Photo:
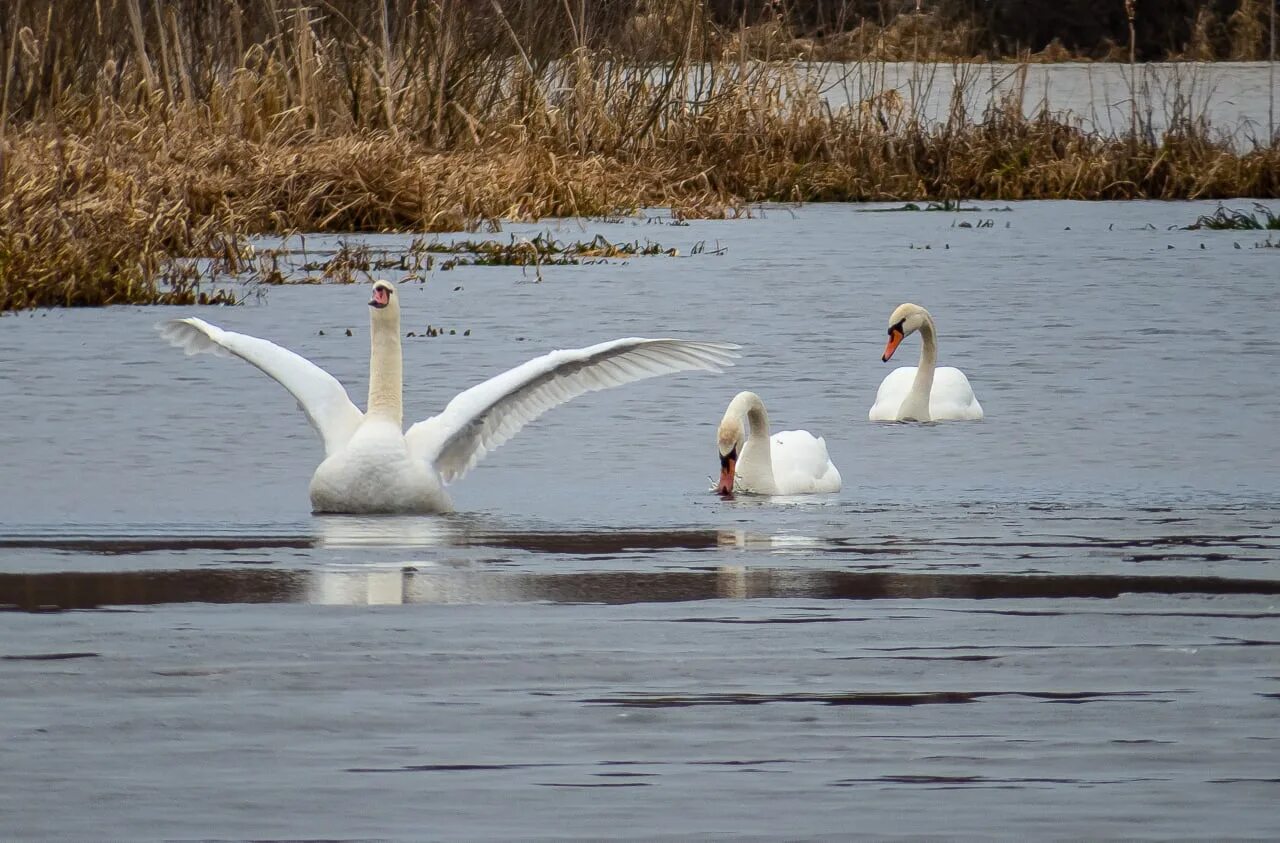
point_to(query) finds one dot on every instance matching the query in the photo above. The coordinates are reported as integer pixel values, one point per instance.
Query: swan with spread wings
(372, 465)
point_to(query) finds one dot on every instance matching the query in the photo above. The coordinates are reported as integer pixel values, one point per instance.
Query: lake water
(1239, 99)
(1059, 621)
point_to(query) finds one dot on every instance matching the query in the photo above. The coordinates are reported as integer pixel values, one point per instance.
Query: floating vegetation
(437, 331)
(358, 262)
(540, 250)
(1229, 219)
(350, 259)
(949, 205)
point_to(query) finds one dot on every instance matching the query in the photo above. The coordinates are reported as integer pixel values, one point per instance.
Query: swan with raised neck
(923, 392)
(372, 465)
(386, 358)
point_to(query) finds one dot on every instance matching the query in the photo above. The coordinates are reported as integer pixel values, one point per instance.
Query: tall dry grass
(140, 143)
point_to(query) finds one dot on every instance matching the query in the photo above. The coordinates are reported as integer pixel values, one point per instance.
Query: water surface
(1238, 99)
(1075, 598)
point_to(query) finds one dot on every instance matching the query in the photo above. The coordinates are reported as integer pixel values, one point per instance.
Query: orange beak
(895, 339)
(727, 466)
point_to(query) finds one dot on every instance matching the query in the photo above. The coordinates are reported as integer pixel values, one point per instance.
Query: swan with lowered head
(921, 393)
(791, 462)
(372, 465)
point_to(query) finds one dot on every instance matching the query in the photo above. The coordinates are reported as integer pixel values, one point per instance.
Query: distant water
(1236, 98)
(1059, 621)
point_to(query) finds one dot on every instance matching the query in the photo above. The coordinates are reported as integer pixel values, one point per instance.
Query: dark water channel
(1061, 621)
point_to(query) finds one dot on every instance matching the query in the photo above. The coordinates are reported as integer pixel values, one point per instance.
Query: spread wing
(318, 393)
(480, 419)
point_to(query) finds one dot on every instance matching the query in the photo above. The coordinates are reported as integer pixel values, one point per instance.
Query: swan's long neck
(748, 404)
(758, 421)
(916, 404)
(386, 378)
(756, 462)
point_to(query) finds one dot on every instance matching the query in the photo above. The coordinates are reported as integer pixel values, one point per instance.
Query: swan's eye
(896, 329)
(725, 459)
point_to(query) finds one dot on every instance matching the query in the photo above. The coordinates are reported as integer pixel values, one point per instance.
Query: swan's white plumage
(371, 466)
(801, 464)
(480, 419)
(950, 399)
(789, 462)
(318, 393)
(923, 392)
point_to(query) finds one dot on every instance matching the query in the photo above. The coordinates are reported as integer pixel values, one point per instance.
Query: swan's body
(372, 466)
(377, 472)
(924, 392)
(950, 398)
(752, 460)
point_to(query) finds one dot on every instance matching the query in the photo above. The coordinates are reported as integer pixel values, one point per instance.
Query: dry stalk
(340, 117)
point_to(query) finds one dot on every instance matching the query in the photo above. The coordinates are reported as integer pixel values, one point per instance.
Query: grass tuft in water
(1229, 219)
(948, 205)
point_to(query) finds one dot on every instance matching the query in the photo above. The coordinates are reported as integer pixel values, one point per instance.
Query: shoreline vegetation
(142, 143)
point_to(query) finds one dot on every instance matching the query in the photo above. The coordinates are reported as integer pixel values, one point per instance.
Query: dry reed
(132, 169)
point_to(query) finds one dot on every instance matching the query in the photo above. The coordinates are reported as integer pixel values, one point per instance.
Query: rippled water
(1075, 598)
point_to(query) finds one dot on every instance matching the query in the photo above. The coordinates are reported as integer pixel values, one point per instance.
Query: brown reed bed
(135, 161)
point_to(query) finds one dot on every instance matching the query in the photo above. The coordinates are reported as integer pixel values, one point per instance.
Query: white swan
(371, 466)
(792, 462)
(921, 393)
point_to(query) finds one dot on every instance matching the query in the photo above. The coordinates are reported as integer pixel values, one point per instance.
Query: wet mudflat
(1061, 620)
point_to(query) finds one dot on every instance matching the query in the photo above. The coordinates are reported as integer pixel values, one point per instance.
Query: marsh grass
(949, 206)
(544, 249)
(1230, 219)
(141, 144)
(75, 230)
(356, 262)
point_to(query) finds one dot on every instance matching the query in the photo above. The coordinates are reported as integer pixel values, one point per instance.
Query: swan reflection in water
(340, 531)
(441, 584)
(435, 581)
(460, 586)
(355, 531)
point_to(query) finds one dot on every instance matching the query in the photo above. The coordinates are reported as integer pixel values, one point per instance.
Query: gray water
(1239, 99)
(1058, 621)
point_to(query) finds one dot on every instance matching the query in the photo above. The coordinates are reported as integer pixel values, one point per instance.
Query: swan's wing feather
(483, 417)
(892, 392)
(801, 463)
(318, 393)
(952, 396)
